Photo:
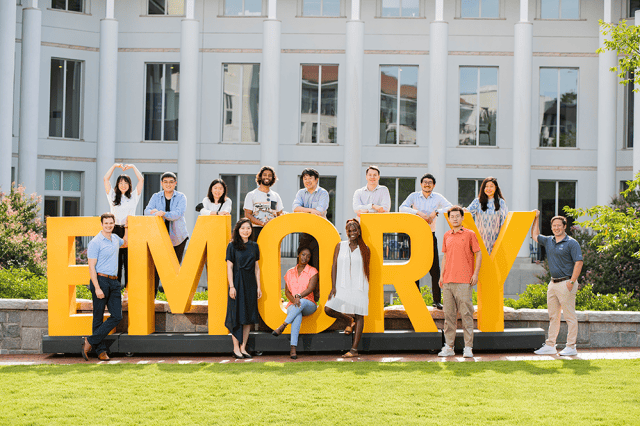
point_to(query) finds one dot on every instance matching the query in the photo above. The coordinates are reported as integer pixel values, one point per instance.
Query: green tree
(625, 41)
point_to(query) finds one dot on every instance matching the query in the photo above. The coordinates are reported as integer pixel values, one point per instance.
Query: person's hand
(125, 245)
(232, 293)
(223, 213)
(569, 285)
(466, 210)
(432, 216)
(537, 213)
(379, 209)
(423, 215)
(332, 293)
(127, 167)
(153, 211)
(259, 292)
(296, 300)
(160, 213)
(440, 283)
(474, 280)
(99, 293)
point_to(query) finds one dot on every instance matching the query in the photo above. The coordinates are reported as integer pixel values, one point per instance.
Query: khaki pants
(457, 298)
(561, 300)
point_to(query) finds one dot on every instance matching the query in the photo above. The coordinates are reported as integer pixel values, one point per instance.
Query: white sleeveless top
(352, 286)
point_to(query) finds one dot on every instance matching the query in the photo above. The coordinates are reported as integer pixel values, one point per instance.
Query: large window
(237, 188)
(166, 7)
(478, 105)
(633, 6)
(553, 196)
(162, 102)
(328, 183)
(69, 5)
(398, 114)
(320, 7)
(560, 9)
(241, 90)
(62, 193)
(558, 107)
(399, 189)
(468, 190)
(480, 8)
(630, 110)
(400, 8)
(243, 7)
(65, 110)
(319, 104)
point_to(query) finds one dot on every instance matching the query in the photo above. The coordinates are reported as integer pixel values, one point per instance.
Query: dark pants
(112, 300)
(179, 249)
(435, 273)
(123, 257)
(255, 233)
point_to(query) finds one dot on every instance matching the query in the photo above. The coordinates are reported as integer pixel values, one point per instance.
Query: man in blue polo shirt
(565, 264)
(105, 288)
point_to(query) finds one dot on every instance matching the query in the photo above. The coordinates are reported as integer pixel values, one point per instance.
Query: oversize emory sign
(150, 248)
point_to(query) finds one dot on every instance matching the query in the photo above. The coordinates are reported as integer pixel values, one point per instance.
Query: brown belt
(559, 280)
(111, 277)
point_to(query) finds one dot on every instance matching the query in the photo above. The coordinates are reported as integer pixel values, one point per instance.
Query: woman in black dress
(243, 274)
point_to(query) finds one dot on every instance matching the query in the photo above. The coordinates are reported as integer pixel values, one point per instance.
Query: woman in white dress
(123, 200)
(216, 201)
(349, 296)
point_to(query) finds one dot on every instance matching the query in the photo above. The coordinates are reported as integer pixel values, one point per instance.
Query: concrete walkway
(587, 354)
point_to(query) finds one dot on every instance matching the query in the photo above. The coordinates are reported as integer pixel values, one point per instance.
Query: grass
(361, 393)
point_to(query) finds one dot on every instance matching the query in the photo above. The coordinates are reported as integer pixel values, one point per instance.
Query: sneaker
(546, 350)
(446, 351)
(569, 351)
(468, 353)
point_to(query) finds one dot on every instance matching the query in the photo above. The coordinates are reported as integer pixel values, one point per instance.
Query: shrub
(428, 298)
(22, 244)
(200, 295)
(24, 284)
(535, 297)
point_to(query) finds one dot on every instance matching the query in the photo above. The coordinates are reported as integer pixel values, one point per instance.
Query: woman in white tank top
(349, 296)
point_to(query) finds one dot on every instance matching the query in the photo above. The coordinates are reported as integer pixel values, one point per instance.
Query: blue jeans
(294, 317)
(112, 300)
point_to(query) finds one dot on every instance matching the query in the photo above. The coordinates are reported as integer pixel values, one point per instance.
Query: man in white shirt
(372, 198)
(262, 204)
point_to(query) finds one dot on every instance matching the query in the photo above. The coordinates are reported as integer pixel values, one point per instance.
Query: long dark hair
(496, 196)
(224, 194)
(364, 250)
(118, 198)
(237, 239)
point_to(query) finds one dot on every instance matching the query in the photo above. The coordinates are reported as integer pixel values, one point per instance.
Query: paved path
(587, 354)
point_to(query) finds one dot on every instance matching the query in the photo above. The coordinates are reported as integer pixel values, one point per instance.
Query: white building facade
(463, 89)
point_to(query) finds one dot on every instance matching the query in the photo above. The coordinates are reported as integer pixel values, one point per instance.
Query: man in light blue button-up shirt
(428, 204)
(372, 198)
(170, 205)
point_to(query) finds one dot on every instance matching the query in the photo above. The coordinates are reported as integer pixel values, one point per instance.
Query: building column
(107, 90)
(188, 113)
(7, 70)
(29, 97)
(438, 61)
(270, 89)
(607, 90)
(636, 118)
(354, 64)
(522, 76)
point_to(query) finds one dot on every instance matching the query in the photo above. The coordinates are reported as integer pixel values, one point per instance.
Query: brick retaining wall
(24, 322)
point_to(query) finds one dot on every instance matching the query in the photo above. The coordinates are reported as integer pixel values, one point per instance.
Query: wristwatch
(299, 296)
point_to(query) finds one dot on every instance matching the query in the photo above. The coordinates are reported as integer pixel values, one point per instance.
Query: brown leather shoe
(86, 347)
(103, 356)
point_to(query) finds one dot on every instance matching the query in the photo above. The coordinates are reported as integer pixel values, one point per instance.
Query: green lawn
(528, 392)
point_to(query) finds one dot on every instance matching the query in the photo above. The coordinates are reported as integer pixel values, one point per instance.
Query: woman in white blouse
(216, 201)
(123, 200)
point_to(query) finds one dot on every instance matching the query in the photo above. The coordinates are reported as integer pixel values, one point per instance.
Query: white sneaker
(546, 350)
(468, 353)
(446, 351)
(569, 351)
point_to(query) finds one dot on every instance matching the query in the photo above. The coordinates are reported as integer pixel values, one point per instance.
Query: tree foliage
(625, 41)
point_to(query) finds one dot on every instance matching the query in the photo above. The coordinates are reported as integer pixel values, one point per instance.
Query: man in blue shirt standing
(565, 264)
(103, 253)
(428, 204)
(170, 205)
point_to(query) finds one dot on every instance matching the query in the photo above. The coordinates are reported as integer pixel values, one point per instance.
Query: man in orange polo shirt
(457, 279)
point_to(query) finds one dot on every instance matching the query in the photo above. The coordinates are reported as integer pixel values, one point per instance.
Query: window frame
(300, 10)
(85, 7)
(398, 103)
(238, 205)
(319, 105)
(628, 10)
(629, 96)
(477, 133)
(225, 110)
(222, 12)
(559, 18)
(421, 11)
(501, 11)
(144, 104)
(539, 123)
(61, 194)
(570, 221)
(64, 99)
(145, 8)
(478, 184)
